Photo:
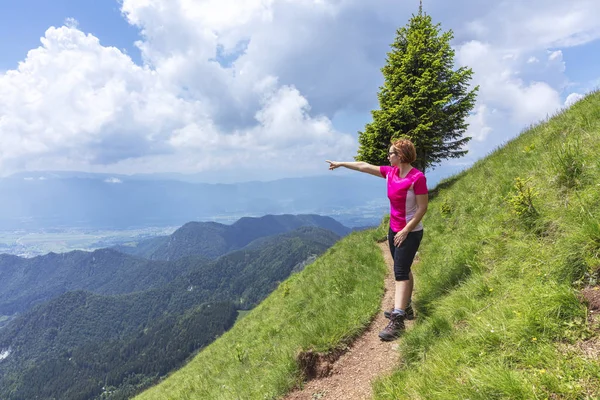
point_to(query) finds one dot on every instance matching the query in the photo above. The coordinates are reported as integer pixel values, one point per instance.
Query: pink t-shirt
(402, 192)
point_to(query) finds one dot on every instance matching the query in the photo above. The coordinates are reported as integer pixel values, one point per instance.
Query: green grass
(320, 309)
(496, 286)
(508, 244)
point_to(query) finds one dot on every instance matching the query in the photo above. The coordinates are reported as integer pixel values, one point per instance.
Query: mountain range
(213, 239)
(105, 324)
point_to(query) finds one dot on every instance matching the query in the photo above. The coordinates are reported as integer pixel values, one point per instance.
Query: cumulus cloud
(573, 98)
(478, 123)
(501, 88)
(74, 103)
(73, 98)
(256, 84)
(535, 24)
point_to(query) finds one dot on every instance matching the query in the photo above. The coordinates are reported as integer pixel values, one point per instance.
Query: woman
(408, 195)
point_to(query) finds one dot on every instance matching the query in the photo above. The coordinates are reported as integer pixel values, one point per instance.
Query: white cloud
(74, 98)
(536, 24)
(555, 55)
(254, 84)
(573, 98)
(73, 104)
(71, 23)
(113, 180)
(478, 125)
(501, 87)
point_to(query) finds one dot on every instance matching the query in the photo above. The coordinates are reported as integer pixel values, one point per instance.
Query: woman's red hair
(405, 150)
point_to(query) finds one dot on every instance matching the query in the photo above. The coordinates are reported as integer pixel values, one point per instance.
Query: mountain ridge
(144, 333)
(29, 281)
(213, 239)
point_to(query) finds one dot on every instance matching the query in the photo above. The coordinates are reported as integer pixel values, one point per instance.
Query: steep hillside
(212, 239)
(508, 246)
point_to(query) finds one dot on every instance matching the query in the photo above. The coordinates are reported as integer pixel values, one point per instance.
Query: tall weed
(567, 163)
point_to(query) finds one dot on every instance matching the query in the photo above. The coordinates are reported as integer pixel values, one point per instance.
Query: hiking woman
(408, 195)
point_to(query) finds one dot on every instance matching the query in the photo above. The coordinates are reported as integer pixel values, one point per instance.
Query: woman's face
(393, 156)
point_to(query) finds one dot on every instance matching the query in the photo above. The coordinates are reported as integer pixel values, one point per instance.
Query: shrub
(521, 201)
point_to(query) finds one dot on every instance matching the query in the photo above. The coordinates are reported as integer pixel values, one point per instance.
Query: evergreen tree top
(422, 96)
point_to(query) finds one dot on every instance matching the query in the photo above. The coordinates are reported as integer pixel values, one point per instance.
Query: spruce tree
(422, 98)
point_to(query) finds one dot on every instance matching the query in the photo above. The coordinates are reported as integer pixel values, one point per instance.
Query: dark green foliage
(123, 366)
(26, 282)
(422, 97)
(79, 342)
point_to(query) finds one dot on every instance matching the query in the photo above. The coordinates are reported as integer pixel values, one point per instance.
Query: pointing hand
(333, 164)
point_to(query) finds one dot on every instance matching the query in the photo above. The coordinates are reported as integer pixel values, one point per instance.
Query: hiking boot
(410, 313)
(394, 328)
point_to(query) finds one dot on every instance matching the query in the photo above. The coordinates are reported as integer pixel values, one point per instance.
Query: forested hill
(212, 239)
(30, 281)
(79, 343)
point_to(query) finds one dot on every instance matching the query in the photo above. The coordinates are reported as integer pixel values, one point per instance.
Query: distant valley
(53, 200)
(105, 324)
(50, 201)
(42, 212)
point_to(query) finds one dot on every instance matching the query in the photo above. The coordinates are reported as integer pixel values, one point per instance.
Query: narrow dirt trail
(367, 358)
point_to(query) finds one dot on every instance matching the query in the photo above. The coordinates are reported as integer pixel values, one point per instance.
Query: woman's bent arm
(422, 203)
(360, 166)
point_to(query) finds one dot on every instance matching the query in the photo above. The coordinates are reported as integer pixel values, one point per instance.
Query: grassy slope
(498, 291)
(319, 309)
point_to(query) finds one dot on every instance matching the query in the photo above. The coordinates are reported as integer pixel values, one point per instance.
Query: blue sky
(260, 89)
(25, 21)
(584, 64)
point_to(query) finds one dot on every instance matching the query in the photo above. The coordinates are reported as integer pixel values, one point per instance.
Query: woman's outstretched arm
(360, 166)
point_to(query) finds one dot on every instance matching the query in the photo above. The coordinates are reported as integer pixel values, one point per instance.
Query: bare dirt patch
(590, 348)
(591, 294)
(349, 375)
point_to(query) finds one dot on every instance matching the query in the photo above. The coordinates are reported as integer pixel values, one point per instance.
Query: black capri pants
(404, 254)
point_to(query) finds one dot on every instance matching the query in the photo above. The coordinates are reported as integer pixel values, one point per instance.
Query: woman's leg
(403, 293)
(403, 258)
